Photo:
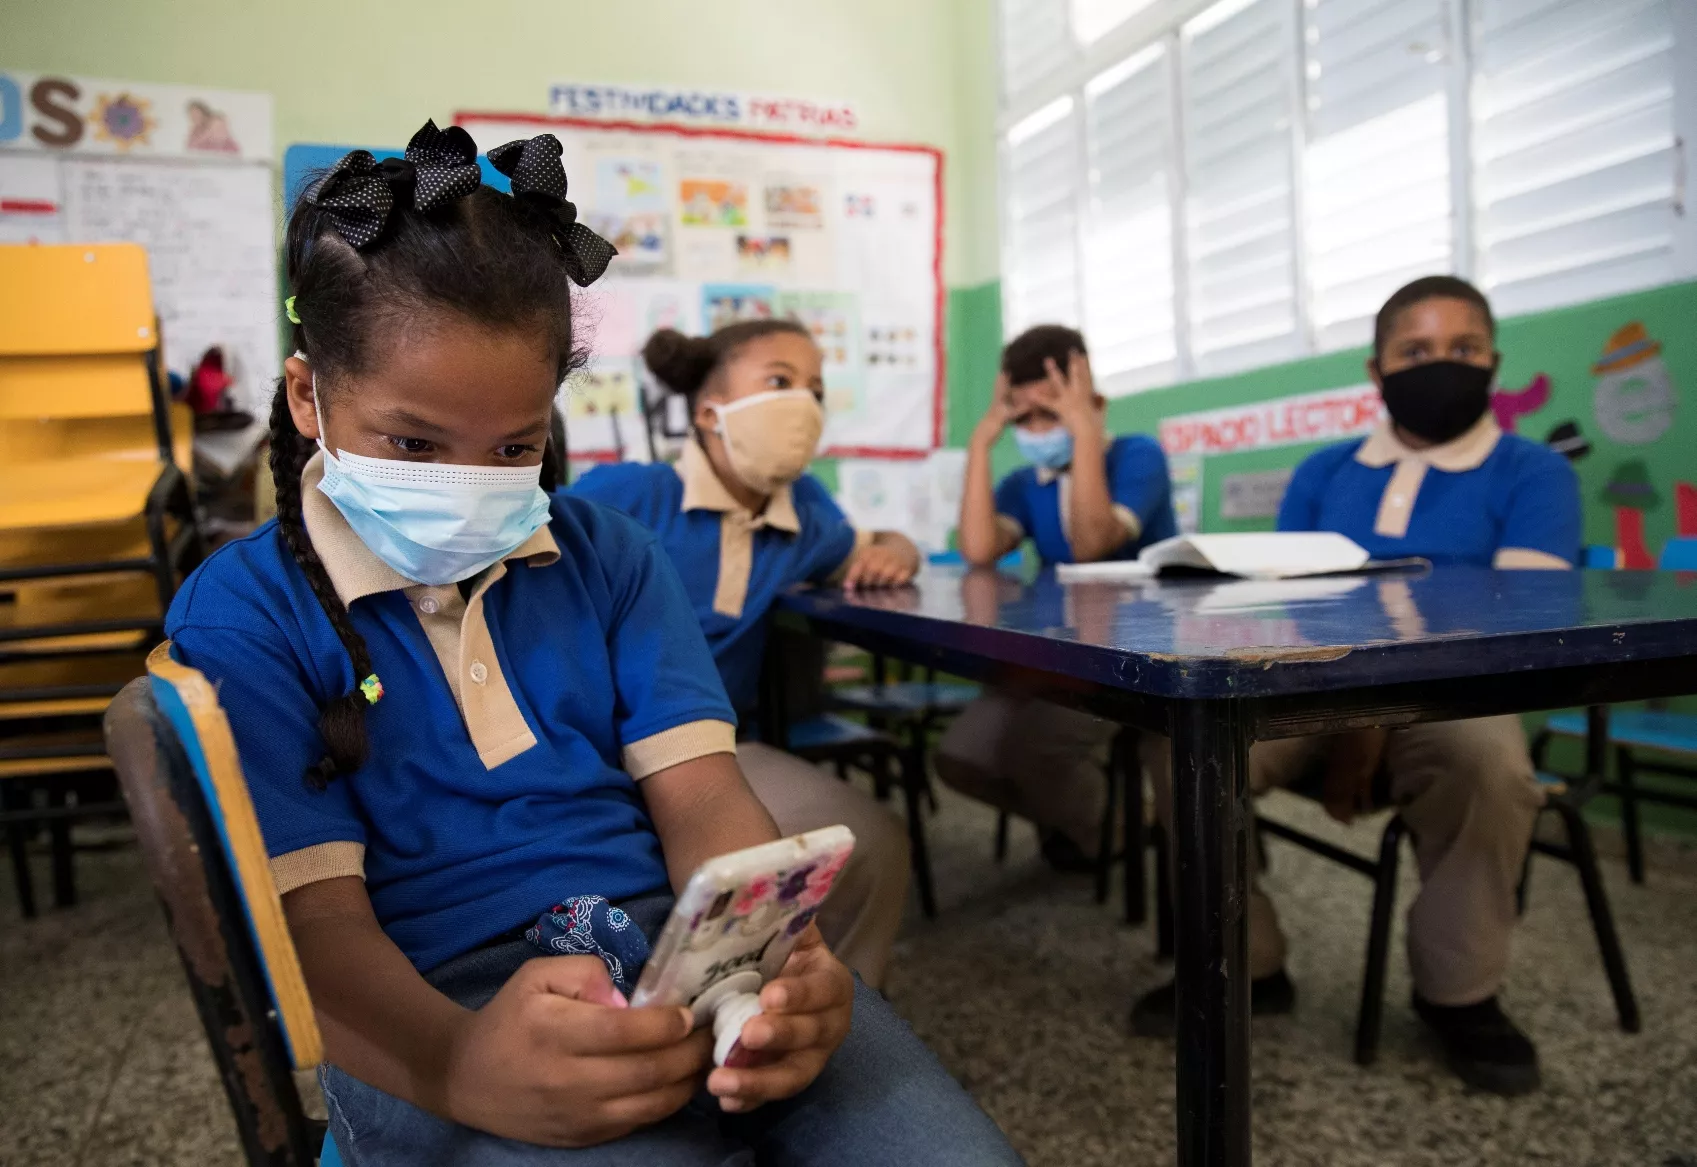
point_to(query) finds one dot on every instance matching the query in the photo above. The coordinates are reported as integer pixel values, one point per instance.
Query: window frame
(1163, 22)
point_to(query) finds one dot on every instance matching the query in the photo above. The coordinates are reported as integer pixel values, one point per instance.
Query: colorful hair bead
(372, 688)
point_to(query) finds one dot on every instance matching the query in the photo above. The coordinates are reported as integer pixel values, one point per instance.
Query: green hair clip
(372, 688)
(289, 311)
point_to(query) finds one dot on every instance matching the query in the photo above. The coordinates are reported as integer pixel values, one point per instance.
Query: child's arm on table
(704, 808)
(547, 1061)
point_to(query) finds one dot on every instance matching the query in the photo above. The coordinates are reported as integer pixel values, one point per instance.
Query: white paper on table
(1259, 554)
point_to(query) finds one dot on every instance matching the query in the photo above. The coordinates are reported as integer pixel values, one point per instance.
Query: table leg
(1211, 819)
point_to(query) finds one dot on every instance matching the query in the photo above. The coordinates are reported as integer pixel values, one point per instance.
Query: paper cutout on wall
(1184, 472)
(1566, 440)
(713, 202)
(600, 393)
(1631, 493)
(1634, 396)
(1253, 496)
(767, 255)
(1685, 508)
(723, 304)
(1512, 404)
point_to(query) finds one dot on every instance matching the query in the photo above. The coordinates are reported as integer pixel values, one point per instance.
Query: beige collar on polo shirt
(704, 492)
(453, 623)
(1384, 448)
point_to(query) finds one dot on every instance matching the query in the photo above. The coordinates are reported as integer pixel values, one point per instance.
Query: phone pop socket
(731, 1003)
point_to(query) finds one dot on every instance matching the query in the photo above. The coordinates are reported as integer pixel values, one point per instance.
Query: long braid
(342, 721)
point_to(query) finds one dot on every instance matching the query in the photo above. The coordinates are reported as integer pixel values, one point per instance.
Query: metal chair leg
(1378, 944)
(59, 836)
(1001, 836)
(1602, 919)
(1625, 770)
(1136, 846)
(17, 842)
(1105, 837)
(1163, 894)
(913, 791)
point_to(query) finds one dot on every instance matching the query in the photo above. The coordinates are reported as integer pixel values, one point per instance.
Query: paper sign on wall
(1253, 496)
(724, 108)
(1305, 417)
(83, 115)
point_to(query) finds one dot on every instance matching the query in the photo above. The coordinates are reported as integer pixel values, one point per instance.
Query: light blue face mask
(435, 524)
(1050, 450)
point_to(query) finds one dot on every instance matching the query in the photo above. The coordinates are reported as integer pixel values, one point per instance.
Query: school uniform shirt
(733, 563)
(515, 723)
(1037, 502)
(1486, 498)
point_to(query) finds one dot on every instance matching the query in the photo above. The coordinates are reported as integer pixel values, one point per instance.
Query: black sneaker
(1064, 855)
(1484, 1048)
(1152, 1015)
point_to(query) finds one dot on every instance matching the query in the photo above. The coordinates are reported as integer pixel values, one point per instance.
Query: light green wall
(360, 71)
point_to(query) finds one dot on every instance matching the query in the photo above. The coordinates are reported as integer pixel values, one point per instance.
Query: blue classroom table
(1218, 665)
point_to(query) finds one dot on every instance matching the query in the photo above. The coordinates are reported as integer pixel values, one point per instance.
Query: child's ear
(1373, 374)
(297, 383)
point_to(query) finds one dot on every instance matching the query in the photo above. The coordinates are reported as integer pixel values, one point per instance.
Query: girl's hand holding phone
(806, 1012)
(559, 1058)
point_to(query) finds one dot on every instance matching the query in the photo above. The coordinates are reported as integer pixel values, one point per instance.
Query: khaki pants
(1466, 791)
(1034, 759)
(861, 916)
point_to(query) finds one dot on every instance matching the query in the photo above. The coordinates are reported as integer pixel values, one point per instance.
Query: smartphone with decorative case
(738, 919)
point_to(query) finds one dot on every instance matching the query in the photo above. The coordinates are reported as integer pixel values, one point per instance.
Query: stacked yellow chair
(97, 520)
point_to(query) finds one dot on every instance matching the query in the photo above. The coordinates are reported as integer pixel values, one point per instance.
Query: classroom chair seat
(207, 861)
(81, 492)
(906, 698)
(1628, 731)
(1562, 797)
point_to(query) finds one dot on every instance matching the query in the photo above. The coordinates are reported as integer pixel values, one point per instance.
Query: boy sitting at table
(1084, 497)
(1441, 481)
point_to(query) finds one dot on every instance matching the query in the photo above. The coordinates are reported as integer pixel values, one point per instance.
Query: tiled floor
(1022, 988)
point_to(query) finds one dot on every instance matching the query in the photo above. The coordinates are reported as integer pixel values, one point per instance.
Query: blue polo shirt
(733, 563)
(1034, 500)
(514, 725)
(1487, 498)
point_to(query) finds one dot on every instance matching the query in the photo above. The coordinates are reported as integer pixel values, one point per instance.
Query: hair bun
(681, 363)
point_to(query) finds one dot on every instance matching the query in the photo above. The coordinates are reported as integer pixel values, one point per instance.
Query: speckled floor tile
(1022, 987)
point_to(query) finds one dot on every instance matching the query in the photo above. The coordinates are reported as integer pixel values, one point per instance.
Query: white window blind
(1574, 152)
(1128, 248)
(1236, 62)
(1041, 219)
(1092, 18)
(1377, 209)
(1035, 42)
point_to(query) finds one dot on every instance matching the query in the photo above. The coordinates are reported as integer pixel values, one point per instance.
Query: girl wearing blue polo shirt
(742, 521)
(459, 700)
(1438, 479)
(1083, 497)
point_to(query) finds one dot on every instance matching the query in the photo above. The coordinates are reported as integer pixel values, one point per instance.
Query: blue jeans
(883, 1098)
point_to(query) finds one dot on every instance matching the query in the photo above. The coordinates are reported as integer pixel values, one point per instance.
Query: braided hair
(486, 257)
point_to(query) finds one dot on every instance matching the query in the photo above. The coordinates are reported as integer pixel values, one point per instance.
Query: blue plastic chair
(177, 762)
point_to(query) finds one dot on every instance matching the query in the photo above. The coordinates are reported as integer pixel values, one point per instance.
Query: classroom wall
(370, 73)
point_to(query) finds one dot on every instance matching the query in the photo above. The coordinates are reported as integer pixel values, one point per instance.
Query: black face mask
(1440, 400)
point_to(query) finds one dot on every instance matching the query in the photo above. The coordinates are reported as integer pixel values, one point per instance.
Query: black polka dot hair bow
(534, 166)
(360, 192)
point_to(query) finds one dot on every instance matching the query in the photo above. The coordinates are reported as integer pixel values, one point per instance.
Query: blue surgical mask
(1050, 450)
(433, 523)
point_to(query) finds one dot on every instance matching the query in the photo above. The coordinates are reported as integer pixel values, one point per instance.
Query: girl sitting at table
(459, 700)
(1083, 497)
(1438, 479)
(742, 520)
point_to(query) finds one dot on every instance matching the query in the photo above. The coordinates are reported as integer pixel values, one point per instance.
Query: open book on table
(1249, 554)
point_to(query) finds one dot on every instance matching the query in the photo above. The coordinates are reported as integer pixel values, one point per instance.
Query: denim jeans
(883, 1098)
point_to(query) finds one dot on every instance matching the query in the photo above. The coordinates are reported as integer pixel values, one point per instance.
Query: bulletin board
(714, 226)
(186, 173)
